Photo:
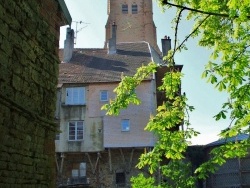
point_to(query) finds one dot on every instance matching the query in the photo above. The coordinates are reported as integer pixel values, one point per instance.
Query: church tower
(134, 20)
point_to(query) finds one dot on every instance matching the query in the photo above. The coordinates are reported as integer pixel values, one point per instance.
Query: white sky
(206, 100)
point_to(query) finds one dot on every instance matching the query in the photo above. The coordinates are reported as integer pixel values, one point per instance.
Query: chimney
(166, 45)
(68, 45)
(112, 41)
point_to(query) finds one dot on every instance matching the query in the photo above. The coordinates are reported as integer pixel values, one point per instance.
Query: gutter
(65, 11)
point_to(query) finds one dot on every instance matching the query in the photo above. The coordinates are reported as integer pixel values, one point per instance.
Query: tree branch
(176, 28)
(187, 37)
(165, 2)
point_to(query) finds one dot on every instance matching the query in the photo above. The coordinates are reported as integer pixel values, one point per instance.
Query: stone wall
(101, 168)
(29, 34)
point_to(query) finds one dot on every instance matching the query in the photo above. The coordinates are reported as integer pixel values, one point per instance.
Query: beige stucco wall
(101, 130)
(93, 134)
(138, 116)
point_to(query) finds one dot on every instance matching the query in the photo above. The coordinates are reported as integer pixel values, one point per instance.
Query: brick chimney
(68, 45)
(166, 45)
(112, 41)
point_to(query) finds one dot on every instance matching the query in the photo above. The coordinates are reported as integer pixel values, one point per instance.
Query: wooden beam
(123, 158)
(61, 167)
(110, 161)
(91, 164)
(131, 159)
(57, 165)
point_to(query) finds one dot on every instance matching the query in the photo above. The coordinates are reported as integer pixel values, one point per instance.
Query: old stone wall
(29, 34)
(102, 167)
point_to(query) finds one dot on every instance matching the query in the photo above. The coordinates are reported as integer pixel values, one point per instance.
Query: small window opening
(125, 9)
(134, 9)
(120, 178)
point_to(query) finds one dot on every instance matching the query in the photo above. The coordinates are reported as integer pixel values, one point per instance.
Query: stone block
(2, 11)
(5, 75)
(7, 90)
(17, 82)
(9, 6)
(4, 59)
(11, 166)
(4, 29)
(12, 22)
(3, 165)
(7, 47)
(5, 185)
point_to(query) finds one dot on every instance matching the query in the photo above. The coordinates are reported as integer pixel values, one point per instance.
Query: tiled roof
(96, 65)
(239, 137)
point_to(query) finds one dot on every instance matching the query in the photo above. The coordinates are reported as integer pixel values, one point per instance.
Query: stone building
(93, 148)
(29, 40)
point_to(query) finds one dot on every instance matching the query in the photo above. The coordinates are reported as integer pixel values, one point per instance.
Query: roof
(65, 11)
(96, 65)
(239, 137)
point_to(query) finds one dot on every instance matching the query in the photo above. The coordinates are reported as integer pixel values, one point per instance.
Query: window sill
(63, 104)
(75, 140)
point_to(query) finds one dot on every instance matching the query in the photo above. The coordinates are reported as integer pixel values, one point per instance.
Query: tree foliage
(223, 26)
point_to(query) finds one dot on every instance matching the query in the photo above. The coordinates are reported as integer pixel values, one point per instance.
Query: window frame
(134, 9)
(75, 96)
(124, 8)
(78, 132)
(125, 122)
(101, 99)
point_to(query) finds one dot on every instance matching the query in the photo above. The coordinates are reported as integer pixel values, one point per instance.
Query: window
(75, 96)
(75, 173)
(57, 136)
(75, 130)
(120, 178)
(125, 9)
(104, 95)
(134, 9)
(125, 125)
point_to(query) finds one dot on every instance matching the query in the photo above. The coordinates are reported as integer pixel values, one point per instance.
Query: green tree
(223, 26)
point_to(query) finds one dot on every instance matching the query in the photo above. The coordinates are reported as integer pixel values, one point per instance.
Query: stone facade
(29, 35)
(132, 27)
(103, 168)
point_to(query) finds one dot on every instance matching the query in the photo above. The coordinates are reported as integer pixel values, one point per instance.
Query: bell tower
(134, 20)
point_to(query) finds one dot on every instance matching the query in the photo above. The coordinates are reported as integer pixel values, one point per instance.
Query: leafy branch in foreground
(170, 145)
(223, 27)
(125, 92)
(224, 30)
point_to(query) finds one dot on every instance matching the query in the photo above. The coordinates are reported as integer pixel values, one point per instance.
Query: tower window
(134, 9)
(125, 9)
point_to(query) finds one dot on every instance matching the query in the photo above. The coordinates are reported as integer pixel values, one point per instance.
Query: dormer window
(134, 9)
(125, 9)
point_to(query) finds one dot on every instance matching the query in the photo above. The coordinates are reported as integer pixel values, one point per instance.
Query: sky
(202, 95)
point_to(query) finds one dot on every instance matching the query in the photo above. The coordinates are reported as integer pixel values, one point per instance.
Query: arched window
(134, 9)
(125, 9)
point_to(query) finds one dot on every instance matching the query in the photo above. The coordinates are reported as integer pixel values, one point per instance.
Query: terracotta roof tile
(96, 65)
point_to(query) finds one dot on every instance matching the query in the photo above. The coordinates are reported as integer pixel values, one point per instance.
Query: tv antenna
(80, 29)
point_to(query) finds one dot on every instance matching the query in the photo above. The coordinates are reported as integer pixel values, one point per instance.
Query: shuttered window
(75, 96)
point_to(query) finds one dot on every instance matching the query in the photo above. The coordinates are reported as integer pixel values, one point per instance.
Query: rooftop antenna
(80, 29)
